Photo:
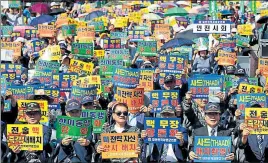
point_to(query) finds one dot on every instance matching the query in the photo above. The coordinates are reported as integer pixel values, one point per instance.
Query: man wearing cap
(212, 118)
(167, 152)
(82, 147)
(33, 115)
(88, 102)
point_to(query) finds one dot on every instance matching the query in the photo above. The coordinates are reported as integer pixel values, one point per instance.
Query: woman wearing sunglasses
(120, 116)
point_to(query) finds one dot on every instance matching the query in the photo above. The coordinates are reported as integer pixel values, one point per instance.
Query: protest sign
(21, 92)
(146, 79)
(6, 30)
(8, 67)
(162, 76)
(80, 66)
(122, 35)
(47, 65)
(27, 136)
(107, 66)
(121, 22)
(253, 81)
(15, 46)
(22, 107)
(244, 99)
(119, 145)
(263, 66)
(46, 30)
(172, 63)
(105, 85)
(30, 33)
(3, 85)
(109, 43)
(7, 106)
(147, 48)
(212, 148)
(98, 25)
(134, 98)
(100, 54)
(162, 130)
(126, 78)
(55, 94)
(98, 118)
(83, 49)
(64, 80)
(9, 76)
(212, 26)
(136, 35)
(14, 4)
(245, 29)
(122, 54)
(227, 42)
(15, 35)
(152, 23)
(256, 120)
(247, 88)
(264, 12)
(68, 30)
(89, 81)
(226, 58)
(162, 29)
(159, 98)
(135, 17)
(87, 32)
(36, 45)
(78, 93)
(242, 41)
(73, 127)
(7, 55)
(45, 76)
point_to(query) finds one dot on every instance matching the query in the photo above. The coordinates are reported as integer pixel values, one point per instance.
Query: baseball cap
(54, 4)
(168, 109)
(169, 78)
(240, 71)
(212, 108)
(230, 69)
(63, 46)
(34, 81)
(20, 39)
(33, 106)
(253, 104)
(73, 105)
(87, 99)
(234, 30)
(17, 83)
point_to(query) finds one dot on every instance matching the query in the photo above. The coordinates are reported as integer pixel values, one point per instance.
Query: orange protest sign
(263, 66)
(88, 32)
(134, 98)
(226, 58)
(46, 30)
(15, 46)
(162, 29)
(119, 145)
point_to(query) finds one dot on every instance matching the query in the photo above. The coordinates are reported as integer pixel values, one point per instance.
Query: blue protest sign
(21, 92)
(162, 130)
(126, 78)
(3, 85)
(8, 67)
(6, 30)
(47, 65)
(172, 63)
(30, 33)
(117, 54)
(244, 99)
(10, 76)
(78, 93)
(64, 80)
(36, 45)
(212, 148)
(159, 98)
(55, 94)
(45, 76)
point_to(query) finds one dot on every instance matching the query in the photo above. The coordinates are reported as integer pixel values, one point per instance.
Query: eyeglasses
(120, 113)
(33, 113)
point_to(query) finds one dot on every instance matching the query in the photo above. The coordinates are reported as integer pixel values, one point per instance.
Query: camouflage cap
(33, 106)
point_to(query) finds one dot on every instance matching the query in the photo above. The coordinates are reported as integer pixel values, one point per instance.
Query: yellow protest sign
(245, 29)
(100, 54)
(226, 58)
(121, 22)
(27, 136)
(264, 12)
(87, 8)
(135, 17)
(256, 120)
(162, 29)
(15, 46)
(22, 107)
(80, 66)
(55, 52)
(104, 19)
(247, 88)
(89, 81)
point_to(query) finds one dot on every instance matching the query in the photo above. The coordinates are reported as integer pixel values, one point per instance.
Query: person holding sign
(202, 60)
(120, 116)
(75, 151)
(33, 116)
(88, 102)
(212, 118)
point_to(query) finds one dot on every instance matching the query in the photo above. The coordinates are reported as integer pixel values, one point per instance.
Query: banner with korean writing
(146, 79)
(87, 32)
(53, 93)
(162, 29)
(159, 98)
(7, 55)
(162, 130)
(46, 30)
(119, 145)
(73, 127)
(206, 87)
(8, 67)
(36, 45)
(137, 35)
(98, 26)
(245, 29)
(82, 48)
(6, 30)
(134, 98)
(22, 107)
(15, 35)
(100, 54)
(89, 81)
(107, 66)
(9, 76)
(244, 99)
(226, 58)
(98, 118)
(45, 76)
(242, 41)
(64, 80)
(47, 65)
(54, 53)
(126, 78)
(247, 88)
(227, 42)
(121, 22)
(68, 30)
(30, 33)
(109, 43)
(147, 48)
(27, 136)
(122, 35)
(14, 4)
(78, 93)
(15, 46)
(264, 12)
(122, 54)
(256, 120)
(212, 148)
(81, 67)
(212, 26)
(21, 92)
(263, 66)
(172, 63)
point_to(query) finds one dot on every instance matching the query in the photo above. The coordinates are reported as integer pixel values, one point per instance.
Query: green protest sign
(107, 66)
(105, 82)
(73, 127)
(147, 48)
(83, 48)
(242, 41)
(98, 118)
(99, 26)
(6, 30)
(213, 9)
(14, 4)
(47, 65)
(68, 30)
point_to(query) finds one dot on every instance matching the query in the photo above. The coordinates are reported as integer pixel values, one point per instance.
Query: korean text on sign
(212, 26)
(164, 97)
(98, 118)
(257, 120)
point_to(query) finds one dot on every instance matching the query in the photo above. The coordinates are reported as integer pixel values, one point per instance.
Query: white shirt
(170, 154)
(118, 129)
(209, 131)
(132, 121)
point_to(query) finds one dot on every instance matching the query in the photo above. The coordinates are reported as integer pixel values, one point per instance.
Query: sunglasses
(88, 104)
(33, 113)
(120, 113)
(40, 97)
(74, 111)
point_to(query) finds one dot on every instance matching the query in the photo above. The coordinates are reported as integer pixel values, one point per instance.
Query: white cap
(20, 39)
(234, 30)
(183, 3)
(202, 48)
(28, 4)
(54, 4)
